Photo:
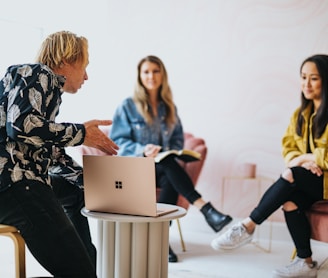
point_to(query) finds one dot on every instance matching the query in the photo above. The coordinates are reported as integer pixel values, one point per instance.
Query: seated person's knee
(288, 175)
(289, 206)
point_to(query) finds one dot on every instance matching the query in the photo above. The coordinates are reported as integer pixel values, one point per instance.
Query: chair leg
(19, 243)
(181, 237)
(293, 254)
(19, 254)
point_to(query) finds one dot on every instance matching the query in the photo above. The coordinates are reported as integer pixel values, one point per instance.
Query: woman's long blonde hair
(141, 98)
(61, 47)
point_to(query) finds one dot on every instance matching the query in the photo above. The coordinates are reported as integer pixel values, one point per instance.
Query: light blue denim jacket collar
(131, 133)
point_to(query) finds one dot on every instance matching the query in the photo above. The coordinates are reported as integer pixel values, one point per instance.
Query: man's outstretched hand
(95, 138)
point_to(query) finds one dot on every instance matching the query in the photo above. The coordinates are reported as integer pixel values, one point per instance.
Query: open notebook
(121, 184)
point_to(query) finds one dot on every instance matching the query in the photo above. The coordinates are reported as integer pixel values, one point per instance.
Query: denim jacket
(131, 133)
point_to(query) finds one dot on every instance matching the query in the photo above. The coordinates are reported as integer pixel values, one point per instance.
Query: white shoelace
(235, 231)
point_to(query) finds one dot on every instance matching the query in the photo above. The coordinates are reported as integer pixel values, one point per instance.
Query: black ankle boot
(173, 258)
(214, 218)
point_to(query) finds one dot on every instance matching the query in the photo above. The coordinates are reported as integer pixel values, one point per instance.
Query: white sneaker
(235, 237)
(298, 268)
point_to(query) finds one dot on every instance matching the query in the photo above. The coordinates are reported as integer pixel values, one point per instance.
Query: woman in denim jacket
(149, 123)
(305, 180)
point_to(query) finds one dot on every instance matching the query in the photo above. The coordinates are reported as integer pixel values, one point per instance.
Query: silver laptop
(121, 184)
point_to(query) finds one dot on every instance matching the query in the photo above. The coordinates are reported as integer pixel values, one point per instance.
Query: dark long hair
(321, 119)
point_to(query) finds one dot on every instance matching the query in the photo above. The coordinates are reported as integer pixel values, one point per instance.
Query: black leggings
(173, 180)
(306, 189)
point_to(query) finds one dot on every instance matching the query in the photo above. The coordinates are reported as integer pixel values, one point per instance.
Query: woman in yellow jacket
(305, 181)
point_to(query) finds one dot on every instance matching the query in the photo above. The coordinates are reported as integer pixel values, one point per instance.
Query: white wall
(233, 65)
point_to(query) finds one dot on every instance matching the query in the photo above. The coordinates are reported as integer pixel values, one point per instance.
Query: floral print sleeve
(30, 96)
(64, 166)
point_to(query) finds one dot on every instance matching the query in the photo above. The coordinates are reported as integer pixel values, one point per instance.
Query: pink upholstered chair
(318, 218)
(193, 168)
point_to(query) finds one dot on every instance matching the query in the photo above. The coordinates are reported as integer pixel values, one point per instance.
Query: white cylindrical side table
(133, 246)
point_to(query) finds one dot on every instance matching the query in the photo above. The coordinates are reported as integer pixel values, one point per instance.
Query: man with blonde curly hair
(41, 187)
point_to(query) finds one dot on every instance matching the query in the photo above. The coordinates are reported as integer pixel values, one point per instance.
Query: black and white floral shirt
(31, 142)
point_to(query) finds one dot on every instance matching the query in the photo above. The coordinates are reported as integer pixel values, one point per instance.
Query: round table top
(115, 217)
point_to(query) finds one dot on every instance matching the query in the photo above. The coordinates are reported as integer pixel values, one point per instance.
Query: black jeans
(72, 200)
(35, 210)
(173, 180)
(306, 189)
